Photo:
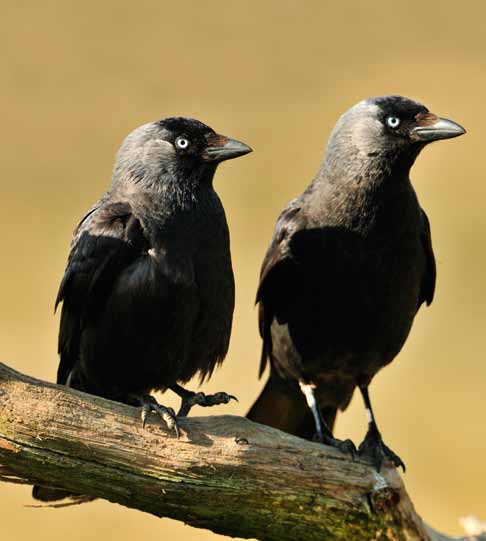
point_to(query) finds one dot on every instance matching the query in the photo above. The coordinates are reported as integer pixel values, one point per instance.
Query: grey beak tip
(442, 129)
(238, 147)
(231, 149)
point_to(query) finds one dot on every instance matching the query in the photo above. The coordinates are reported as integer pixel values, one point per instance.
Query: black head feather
(184, 127)
(399, 106)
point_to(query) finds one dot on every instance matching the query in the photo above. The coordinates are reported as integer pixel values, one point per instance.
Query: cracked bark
(225, 473)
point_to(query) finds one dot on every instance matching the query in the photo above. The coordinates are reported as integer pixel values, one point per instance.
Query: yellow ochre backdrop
(76, 77)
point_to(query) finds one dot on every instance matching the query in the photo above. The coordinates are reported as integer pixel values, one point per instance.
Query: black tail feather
(49, 494)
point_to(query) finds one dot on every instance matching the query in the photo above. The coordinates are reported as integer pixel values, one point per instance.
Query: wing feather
(274, 273)
(106, 241)
(427, 287)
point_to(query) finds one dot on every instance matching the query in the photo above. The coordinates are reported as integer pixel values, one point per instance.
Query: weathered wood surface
(225, 473)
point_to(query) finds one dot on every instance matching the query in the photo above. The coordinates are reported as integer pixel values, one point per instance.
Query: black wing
(106, 241)
(427, 287)
(276, 275)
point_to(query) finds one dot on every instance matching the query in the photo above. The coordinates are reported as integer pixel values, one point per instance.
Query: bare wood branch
(225, 473)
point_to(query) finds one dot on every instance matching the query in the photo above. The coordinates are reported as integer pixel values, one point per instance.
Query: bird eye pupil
(393, 121)
(182, 142)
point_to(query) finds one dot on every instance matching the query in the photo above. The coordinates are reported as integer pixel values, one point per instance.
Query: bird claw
(169, 417)
(345, 446)
(166, 414)
(146, 409)
(374, 449)
(204, 400)
(348, 447)
(217, 398)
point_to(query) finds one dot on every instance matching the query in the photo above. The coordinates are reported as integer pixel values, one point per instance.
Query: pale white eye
(393, 121)
(182, 143)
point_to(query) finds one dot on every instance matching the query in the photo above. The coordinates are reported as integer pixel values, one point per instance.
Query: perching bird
(349, 265)
(148, 292)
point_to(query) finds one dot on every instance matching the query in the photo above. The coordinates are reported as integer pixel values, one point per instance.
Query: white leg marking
(308, 390)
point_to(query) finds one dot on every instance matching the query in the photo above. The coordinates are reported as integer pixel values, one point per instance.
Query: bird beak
(221, 148)
(432, 128)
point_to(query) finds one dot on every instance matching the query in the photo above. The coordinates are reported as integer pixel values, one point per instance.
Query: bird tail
(282, 405)
(48, 494)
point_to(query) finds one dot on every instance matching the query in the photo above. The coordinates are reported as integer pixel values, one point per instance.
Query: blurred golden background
(76, 77)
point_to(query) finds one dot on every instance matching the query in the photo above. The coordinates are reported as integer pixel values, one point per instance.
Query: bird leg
(323, 432)
(373, 446)
(190, 399)
(148, 404)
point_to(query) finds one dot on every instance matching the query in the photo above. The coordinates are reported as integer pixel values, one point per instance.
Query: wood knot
(384, 500)
(241, 441)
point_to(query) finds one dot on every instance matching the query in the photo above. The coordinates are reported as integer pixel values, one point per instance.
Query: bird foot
(167, 415)
(204, 400)
(345, 446)
(374, 449)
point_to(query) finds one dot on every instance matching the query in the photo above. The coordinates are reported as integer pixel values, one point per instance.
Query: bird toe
(374, 450)
(169, 417)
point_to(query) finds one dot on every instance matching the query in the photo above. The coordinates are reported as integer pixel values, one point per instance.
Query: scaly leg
(323, 432)
(190, 399)
(373, 446)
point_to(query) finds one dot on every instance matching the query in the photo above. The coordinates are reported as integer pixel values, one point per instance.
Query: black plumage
(349, 265)
(148, 292)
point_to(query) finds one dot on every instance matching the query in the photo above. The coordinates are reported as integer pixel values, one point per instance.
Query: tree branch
(225, 473)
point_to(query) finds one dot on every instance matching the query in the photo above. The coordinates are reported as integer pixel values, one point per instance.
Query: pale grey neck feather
(357, 175)
(355, 147)
(144, 157)
(147, 164)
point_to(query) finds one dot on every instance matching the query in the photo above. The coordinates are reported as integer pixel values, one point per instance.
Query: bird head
(178, 150)
(391, 130)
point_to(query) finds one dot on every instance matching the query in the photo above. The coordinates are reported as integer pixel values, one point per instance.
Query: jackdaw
(349, 265)
(148, 292)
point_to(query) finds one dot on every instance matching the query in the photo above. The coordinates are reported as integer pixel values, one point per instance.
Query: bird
(148, 291)
(349, 265)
